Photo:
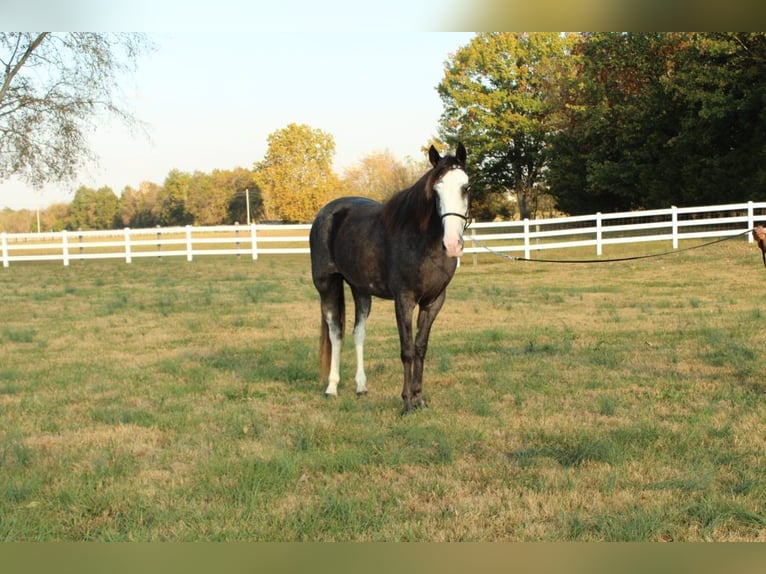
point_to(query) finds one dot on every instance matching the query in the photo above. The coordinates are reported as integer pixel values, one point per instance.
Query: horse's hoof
(361, 393)
(330, 396)
(412, 407)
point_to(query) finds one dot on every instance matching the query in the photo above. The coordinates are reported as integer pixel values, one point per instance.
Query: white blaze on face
(451, 191)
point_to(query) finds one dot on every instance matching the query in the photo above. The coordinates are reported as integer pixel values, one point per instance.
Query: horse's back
(348, 238)
(332, 216)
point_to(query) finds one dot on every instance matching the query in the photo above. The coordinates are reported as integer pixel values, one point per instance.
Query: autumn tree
(21, 221)
(55, 217)
(296, 176)
(499, 95)
(53, 88)
(380, 174)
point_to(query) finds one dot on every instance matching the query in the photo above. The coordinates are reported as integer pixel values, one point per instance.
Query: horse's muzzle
(454, 247)
(453, 233)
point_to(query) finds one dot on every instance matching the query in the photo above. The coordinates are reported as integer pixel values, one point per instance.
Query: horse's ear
(460, 154)
(433, 156)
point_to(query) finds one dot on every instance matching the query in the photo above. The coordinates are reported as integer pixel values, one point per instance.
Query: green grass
(166, 400)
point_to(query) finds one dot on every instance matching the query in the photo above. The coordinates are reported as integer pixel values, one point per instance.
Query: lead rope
(761, 238)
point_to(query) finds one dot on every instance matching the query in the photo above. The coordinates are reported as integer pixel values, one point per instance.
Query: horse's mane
(412, 204)
(416, 204)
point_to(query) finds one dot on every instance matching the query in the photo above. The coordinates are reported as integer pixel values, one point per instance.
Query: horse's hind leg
(362, 304)
(333, 314)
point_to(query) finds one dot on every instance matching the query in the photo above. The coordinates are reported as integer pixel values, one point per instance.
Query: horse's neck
(411, 206)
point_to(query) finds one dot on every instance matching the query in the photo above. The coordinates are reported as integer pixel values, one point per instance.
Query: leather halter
(463, 216)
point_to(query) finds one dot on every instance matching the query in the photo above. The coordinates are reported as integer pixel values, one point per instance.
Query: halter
(462, 216)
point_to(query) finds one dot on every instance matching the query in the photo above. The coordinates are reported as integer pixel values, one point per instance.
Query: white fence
(599, 230)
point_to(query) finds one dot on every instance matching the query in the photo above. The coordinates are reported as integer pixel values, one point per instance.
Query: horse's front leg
(426, 316)
(404, 310)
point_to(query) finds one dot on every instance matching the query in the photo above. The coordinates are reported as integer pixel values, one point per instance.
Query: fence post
(4, 241)
(526, 238)
(189, 254)
(65, 247)
(674, 214)
(253, 241)
(473, 244)
(599, 235)
(750, 221)
(128, 258)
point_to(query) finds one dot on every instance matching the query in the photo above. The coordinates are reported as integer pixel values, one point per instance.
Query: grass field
(166, 400)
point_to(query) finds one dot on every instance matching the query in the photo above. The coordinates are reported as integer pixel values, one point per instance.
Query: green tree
(500, 96)
(295, 176)
(52, 89)
(240, 184)
(719, 150)
(173, 199)
(140, 208)
(656, 119)
(206, 203)
(93, 209)
(618, 120)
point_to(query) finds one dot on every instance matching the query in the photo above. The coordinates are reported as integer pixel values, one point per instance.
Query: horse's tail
(325, 346)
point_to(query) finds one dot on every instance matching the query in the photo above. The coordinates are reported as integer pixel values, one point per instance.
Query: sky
(210, 99)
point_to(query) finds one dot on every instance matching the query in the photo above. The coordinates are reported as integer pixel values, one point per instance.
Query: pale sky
(210, 100)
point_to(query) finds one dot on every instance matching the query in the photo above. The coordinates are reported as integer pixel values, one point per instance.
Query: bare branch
(11, 72)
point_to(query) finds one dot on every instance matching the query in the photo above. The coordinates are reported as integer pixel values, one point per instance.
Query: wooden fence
(597, 231)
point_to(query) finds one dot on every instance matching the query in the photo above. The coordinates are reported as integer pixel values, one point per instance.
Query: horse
(405, 249)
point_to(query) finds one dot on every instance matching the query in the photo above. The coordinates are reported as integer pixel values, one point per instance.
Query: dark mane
(412, 204)
(416, 203)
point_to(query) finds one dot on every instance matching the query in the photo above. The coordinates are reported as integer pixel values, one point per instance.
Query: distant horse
(404, 249)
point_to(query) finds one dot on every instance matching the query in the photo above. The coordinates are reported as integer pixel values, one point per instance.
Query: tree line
(578, 122)
(610, 121)
(291, 183)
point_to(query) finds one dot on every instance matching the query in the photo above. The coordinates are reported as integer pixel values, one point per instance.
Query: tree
(380, 174)
(173, 199)
(53, 88)
(618, 122)
(240, 185)
(500, 99)
(719, 150)
(296, 176)
(140, 207)
(658, 119)
(93, 209)
(55, 217)
(206, 202)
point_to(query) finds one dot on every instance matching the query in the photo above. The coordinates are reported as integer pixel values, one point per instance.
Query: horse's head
(450, 182)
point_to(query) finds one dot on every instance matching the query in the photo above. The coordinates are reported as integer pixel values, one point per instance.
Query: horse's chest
(426, 279)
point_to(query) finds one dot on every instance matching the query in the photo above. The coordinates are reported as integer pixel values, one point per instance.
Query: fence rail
(599, 230)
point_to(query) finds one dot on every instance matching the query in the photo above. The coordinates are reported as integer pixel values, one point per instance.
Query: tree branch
(11, 72)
